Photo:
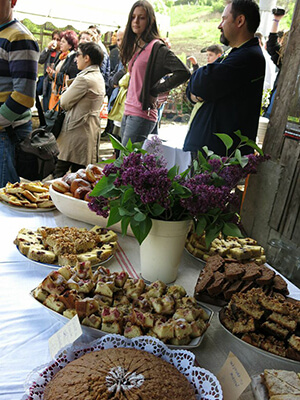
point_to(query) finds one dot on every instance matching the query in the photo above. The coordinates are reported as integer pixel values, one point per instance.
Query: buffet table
(26, 326)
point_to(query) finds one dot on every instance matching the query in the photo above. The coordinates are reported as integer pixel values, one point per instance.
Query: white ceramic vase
(161, 251)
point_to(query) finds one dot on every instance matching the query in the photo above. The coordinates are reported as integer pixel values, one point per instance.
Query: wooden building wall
(272, 203)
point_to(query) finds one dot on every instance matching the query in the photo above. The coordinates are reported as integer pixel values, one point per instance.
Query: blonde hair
(88, 32)
(284, 40)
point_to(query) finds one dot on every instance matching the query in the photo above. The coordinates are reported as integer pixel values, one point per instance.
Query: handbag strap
(55, 105)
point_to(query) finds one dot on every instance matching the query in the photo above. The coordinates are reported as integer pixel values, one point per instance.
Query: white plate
(257, 349)
(26, 209)
(96, 333)
(56, 266)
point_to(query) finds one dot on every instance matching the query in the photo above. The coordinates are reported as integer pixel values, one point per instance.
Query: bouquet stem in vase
(161, 251)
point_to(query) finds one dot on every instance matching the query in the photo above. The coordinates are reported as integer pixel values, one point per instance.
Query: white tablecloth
(172, 137)
(26, 326)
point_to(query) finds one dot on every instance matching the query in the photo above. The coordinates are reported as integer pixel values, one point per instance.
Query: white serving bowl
(79, 210)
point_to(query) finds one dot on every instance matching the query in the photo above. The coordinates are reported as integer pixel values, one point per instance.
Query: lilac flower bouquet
(137, 187)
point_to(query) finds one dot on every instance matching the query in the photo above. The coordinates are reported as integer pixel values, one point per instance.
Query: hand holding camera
(278, 12)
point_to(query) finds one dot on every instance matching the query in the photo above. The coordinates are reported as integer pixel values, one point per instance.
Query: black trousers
(62, 167)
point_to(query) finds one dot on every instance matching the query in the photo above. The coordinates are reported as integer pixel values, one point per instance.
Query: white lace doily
(206, 385)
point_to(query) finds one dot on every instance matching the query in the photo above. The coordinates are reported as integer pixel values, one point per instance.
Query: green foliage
(218, 6)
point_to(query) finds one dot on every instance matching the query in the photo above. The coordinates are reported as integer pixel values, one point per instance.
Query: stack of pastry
(222, 277)
(269, 322)
(31, 195)
(115, 303)
(239, 249)
(79, 184)
(67, 245)
(281, 384)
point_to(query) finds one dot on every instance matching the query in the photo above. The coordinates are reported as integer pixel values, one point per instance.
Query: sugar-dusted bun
(69, 178)
(81, 173)
(60, 186)
(81, 191)
(93, 173)
(78, 182)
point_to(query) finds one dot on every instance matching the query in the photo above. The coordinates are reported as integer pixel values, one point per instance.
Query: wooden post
(272, 204)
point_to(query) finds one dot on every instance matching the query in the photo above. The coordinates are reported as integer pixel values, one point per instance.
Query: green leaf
(226, 139)
(201, 225)
(181, 190)
(243, 161)
(139, 217)
(109, 161)
(114, 216)
(242, 138)
(202, 159)
(124, 224)
(116, 144)
(104, 186)
(185, 173)
(230, 229)
(207, 151)
(138, 147)
(127, 195)
(211, 234)
(141, 229)
(252, 144)
(129, 146)
(157, 209)
(125, 212)
(173, 172)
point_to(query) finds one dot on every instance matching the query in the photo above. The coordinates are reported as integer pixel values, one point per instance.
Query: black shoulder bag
(55, 119)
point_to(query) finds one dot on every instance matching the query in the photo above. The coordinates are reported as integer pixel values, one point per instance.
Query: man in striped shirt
(19, 54)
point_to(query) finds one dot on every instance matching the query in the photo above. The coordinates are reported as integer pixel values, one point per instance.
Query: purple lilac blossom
(110, 169)
(153, 146)
(99, 205)
(205, 198)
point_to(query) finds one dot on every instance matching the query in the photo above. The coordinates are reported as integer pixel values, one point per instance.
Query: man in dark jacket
(229, 91)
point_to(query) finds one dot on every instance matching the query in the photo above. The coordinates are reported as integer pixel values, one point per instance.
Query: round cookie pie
(119, 374)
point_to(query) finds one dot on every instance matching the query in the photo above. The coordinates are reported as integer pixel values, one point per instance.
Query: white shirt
(270, 73)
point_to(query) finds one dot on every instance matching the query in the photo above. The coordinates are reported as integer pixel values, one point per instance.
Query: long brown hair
(129, 41)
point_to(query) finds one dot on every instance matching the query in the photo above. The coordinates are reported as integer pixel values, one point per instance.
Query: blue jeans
(135, 128)
(270, 106)
(8, 171)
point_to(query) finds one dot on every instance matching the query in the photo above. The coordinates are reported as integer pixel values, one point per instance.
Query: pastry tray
(96, 333)
(257, 349)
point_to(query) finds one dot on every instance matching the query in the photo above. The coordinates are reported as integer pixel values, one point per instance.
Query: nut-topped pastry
(67, 245)
(264, 321)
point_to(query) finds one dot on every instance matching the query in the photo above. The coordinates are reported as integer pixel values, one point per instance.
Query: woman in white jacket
(82, 101)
